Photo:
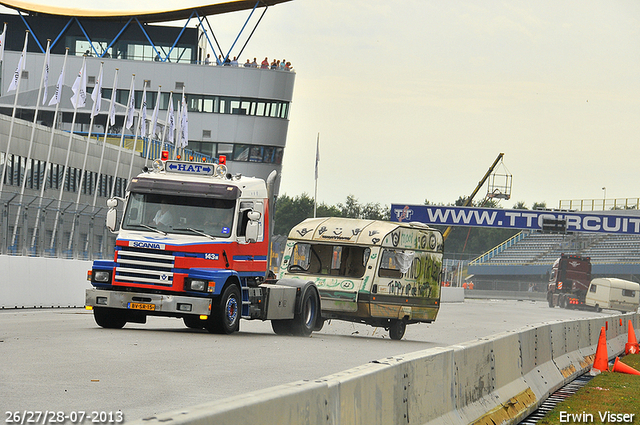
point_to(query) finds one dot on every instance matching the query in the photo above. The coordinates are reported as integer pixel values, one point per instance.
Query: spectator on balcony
(254, 64)
(265, 64)
(234, 62)
(247, 64)
(207, 60)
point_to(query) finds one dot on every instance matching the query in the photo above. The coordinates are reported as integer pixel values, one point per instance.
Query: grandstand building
(56, 179)
(527, 257)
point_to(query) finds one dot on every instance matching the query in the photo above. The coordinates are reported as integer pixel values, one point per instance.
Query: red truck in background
(569, 281)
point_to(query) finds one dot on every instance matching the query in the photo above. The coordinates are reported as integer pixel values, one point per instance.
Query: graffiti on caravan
(616, 222)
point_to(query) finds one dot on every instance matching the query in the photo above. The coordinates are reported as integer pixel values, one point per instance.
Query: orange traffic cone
(631, 347)
(620, 367)
(601, 361)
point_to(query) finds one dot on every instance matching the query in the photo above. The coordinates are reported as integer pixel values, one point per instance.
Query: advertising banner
(620, 222)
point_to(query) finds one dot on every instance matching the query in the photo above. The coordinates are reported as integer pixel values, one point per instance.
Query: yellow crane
(503, 191)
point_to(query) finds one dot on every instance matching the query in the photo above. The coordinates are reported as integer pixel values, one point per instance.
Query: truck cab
(569, 281)
(375, 272)
(193, 243)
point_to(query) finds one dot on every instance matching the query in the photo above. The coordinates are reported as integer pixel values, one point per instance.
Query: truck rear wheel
(397, 329)
(563, 301)
(110, 318)
(225, 319)
(304, 322)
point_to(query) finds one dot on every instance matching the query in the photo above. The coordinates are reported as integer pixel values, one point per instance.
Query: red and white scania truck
(569, 281)
(193, 243)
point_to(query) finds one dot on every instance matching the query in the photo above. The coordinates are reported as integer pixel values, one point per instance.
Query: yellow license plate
(141, 306)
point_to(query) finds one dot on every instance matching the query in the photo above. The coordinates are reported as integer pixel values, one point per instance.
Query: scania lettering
(379, 273)
(193, 243)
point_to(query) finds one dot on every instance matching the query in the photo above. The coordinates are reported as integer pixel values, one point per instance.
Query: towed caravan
(614, 294)
(379, 273)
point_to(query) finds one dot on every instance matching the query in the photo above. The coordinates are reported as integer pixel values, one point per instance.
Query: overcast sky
(415, 99)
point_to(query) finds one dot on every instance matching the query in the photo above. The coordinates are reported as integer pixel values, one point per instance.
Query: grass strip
(610, 397)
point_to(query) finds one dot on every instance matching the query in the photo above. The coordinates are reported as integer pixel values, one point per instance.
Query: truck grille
(148, 266)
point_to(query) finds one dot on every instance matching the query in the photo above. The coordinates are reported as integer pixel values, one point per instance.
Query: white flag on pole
(132, 105)
(143, 112)
(153, 130)
(20, 68)
(2, 37)
(112, 107)
(184, 124)
(79, 88)
(47, 67)
(96, 96)
(56, 97)
(171, 122)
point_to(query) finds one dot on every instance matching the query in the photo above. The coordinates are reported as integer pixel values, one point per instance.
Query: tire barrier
(500, 379)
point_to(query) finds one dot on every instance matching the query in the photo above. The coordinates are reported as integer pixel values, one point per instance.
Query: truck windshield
(179, 214)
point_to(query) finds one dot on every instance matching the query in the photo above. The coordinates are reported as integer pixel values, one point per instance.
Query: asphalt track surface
(60, 360)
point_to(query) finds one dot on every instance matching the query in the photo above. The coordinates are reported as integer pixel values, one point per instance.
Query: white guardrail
(496, 380)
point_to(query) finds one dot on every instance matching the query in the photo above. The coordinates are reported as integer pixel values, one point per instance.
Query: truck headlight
(101, 276)
(196, 285)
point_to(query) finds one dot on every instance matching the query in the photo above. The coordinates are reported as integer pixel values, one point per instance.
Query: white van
(613, 294)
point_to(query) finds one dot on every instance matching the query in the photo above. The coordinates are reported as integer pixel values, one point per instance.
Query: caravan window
(628, 293)
(593, 288)
(395, 263)
(334, 260)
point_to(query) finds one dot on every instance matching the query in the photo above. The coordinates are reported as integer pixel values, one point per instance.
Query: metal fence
(46, 227)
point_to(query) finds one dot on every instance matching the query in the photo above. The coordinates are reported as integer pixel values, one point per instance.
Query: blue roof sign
(190, 168)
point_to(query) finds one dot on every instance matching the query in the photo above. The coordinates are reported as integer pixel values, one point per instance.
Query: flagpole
(184, 123)
(45, 70)
(110, 119)
(166, 121)
(315, 196)
(142, 123)
(152, 127)
(18, 76)
(76, 98)
(124, 125)
(94, 111)
(47, 166)
(177, 142)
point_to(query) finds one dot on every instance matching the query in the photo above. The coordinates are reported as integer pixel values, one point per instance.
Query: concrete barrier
(29, 282)
(500, 379)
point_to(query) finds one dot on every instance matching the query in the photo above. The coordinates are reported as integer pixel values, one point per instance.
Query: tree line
(462, 242)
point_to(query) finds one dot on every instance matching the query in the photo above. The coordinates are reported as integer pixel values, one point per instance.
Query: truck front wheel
(110, 318)
(225, 319)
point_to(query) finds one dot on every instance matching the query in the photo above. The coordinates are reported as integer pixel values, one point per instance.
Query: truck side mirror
(112, 214)
(253, 226)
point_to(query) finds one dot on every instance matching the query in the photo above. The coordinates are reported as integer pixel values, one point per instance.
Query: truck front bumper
(148, 303)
